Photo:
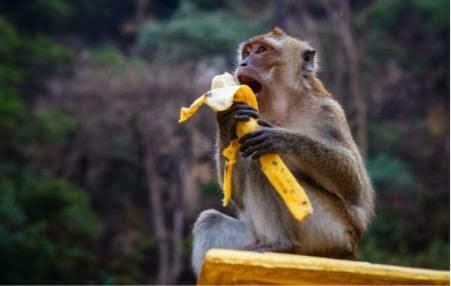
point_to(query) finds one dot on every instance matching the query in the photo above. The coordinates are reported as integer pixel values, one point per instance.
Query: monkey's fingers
(247, 113)
(242, 105)
(239, 106)
(264, 123)
(222, 116)
(250, 141)
(236, 108)
(241, 118)
(257, 149)
(250, 135)
(267, 150)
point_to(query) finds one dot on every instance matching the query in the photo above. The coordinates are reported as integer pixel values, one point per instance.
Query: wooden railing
(233, 267)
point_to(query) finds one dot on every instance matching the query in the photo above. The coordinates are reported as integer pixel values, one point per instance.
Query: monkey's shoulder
(320, 119)
(327, 107)
(330, 121)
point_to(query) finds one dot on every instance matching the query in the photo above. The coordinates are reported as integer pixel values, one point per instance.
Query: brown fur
(314, 140)
(337, 182)
(276, 32)
(318, 87)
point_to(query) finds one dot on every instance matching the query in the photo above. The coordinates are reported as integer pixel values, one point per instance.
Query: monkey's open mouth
(254, 84)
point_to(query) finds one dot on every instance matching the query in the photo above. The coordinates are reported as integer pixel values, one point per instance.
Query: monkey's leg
(216, 230)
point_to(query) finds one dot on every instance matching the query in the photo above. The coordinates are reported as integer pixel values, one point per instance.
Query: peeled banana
(224, 92)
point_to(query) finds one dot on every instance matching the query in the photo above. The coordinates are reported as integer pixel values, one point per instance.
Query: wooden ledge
(234, 267)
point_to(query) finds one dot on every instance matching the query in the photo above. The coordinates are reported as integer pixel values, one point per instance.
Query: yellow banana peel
(224, 92)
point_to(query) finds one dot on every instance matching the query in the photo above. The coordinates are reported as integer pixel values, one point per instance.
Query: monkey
(307, 127)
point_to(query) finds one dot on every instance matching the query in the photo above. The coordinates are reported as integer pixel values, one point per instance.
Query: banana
(224, 92)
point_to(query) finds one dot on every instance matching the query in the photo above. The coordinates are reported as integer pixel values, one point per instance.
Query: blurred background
(98, 182)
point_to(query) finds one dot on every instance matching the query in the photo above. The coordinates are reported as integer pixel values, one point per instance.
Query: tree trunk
(140, 18)
(177, 192)
(359, 105)
(338, 13)
(338, 76)
(157, 215)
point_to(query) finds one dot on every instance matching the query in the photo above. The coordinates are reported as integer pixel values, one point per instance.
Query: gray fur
(216, 230)
(310, 132)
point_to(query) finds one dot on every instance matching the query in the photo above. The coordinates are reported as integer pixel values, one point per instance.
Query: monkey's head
(275, 60)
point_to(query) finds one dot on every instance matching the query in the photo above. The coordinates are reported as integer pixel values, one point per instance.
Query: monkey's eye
(261, 49)
(245, 54)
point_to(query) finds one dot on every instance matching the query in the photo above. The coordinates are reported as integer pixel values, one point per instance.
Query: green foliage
(434, 256)
(47, 229)
(387, 14)
(11, 107)
(9, 40)
(390, 173)
(45, 127)
(10, 78)
(52, 124)
(132, 267)
(10, 75)
(208, 5)
(18, 52)
(397, 250)
(21, 59)
(397, 24)
(388, 137)
(11, 111)
(120, 183)
(40, 50)
(211, 188)
(106, 55)
(191, 34)
(56, 13)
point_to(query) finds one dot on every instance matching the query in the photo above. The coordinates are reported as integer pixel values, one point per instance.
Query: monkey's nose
(243, 64)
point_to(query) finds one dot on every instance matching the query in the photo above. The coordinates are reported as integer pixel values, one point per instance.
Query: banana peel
(224, 92)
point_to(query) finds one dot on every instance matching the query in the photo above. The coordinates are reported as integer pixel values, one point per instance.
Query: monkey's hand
(228, 119)
(268, 139)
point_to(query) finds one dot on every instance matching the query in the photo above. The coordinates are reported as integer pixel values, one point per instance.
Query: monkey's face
(257, 58)
(274, 60)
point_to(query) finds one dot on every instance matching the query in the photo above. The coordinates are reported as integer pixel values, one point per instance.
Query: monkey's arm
(331, 163)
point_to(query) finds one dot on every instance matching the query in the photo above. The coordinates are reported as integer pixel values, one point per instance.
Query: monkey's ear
(308, 61)
(278, 32)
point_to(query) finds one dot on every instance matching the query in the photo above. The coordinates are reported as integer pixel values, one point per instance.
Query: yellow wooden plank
(243, 267)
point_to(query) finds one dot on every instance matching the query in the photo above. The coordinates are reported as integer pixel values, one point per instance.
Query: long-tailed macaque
(308, 128)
